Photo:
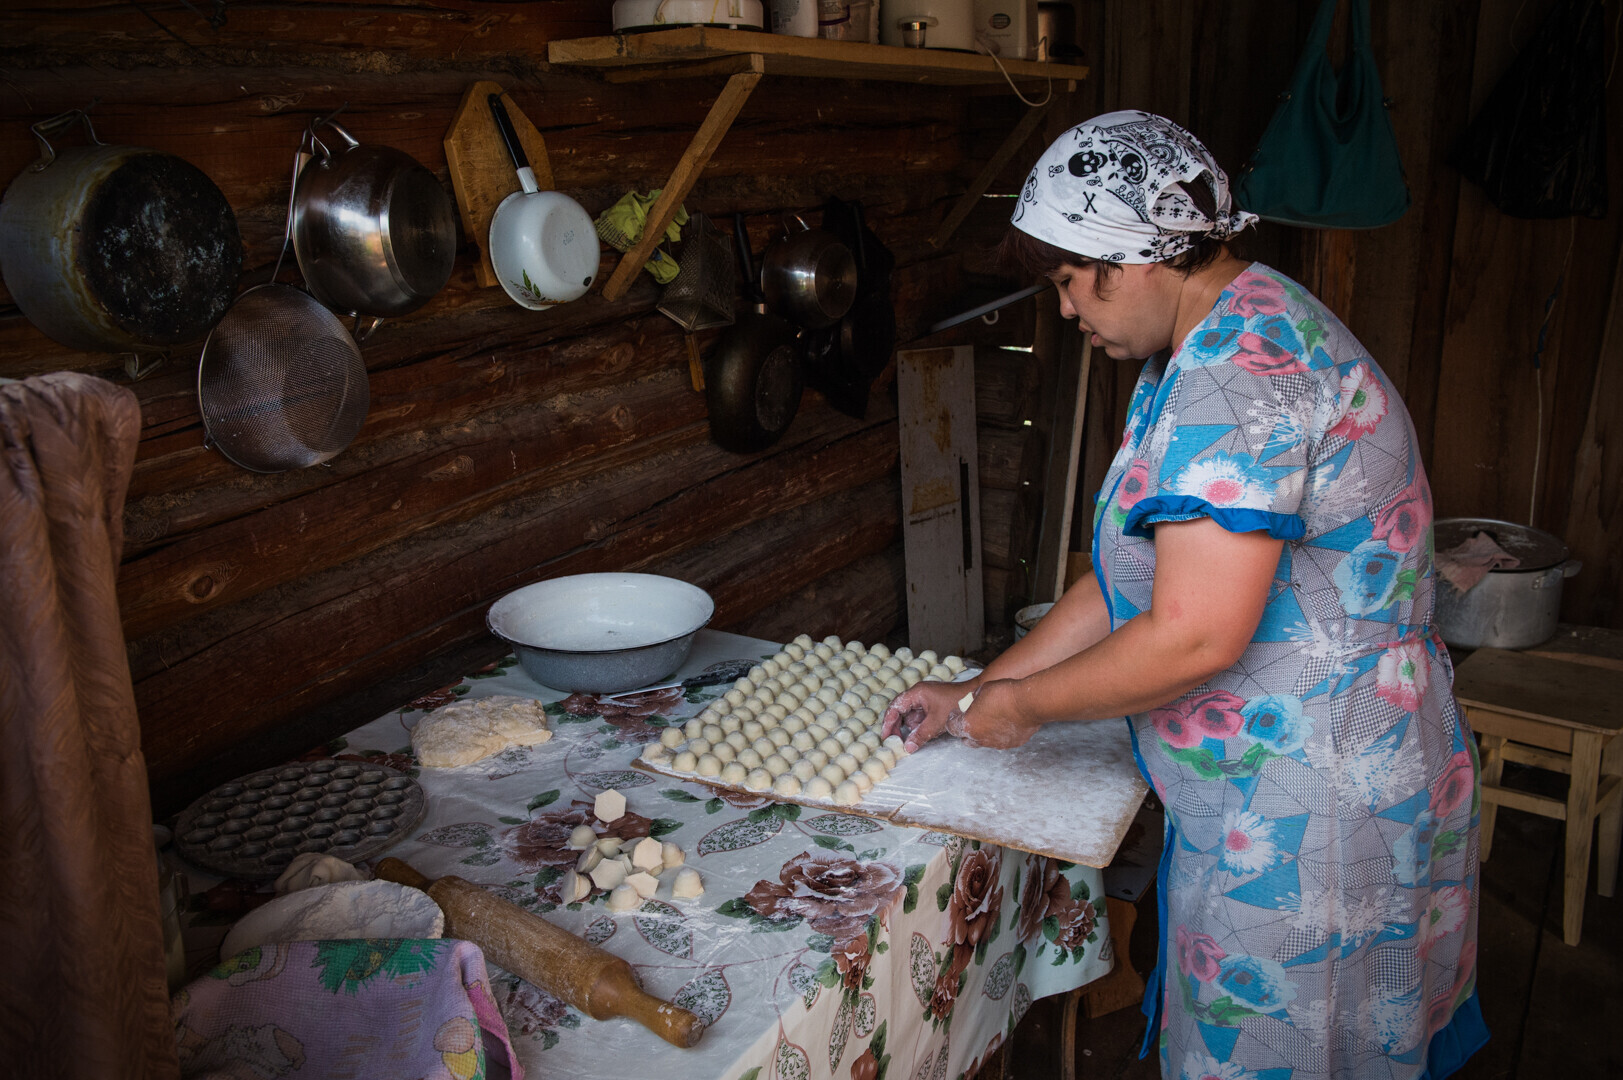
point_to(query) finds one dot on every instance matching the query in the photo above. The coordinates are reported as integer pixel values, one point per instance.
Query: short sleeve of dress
(1231, 431)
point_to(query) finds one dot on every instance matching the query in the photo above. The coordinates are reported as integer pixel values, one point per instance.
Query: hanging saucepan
(374, 231)
(117, 248)
(543, 245)
(809, 277)
(753, 378)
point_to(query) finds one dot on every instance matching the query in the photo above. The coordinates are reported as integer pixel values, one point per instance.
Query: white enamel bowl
(544, 248)
(601, 633)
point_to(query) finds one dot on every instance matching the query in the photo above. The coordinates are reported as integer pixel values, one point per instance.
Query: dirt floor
(1554, 1011)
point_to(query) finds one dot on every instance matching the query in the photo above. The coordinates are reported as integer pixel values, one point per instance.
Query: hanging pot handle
(61, 122)
(515, 149)
(331, 121)
(752, 284)
(1571, 567)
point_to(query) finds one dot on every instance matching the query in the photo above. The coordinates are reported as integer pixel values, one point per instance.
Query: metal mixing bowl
(601, 633)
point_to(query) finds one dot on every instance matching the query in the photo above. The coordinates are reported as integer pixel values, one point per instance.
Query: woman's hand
(995, 718)
(922, 712)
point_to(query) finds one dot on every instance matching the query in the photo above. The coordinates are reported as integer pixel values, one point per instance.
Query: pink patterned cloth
(341, 1009)
(1468, 563)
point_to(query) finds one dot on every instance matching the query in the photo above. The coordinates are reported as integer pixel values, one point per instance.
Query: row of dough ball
(804, 722)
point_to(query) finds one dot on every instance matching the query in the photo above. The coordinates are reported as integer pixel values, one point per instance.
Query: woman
(1259, 609)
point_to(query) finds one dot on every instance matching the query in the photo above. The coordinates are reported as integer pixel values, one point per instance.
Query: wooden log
(996, 580)
(1007, 383)
(863, 601)
(999, 511)
(1010, 458)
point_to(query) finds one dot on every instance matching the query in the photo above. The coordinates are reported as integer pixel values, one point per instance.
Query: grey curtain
(82, 989)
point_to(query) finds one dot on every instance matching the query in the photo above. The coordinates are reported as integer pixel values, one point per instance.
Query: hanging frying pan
(753, 378)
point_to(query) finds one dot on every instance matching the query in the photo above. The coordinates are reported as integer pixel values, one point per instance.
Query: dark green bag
(1326, 167)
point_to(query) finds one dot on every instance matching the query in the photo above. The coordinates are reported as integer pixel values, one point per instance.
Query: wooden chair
(1557, 712)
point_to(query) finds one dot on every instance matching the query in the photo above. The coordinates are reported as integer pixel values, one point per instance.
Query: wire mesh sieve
(281, 384)
(704, 292)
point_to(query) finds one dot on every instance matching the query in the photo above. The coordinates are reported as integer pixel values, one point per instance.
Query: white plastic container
(1007, 28)
(640, 15)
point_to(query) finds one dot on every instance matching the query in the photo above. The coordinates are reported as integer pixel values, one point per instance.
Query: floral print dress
(1319, 884)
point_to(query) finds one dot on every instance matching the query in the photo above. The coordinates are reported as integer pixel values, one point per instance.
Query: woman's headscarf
(1108, 189)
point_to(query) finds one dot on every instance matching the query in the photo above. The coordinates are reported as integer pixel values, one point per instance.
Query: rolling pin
(598, 983)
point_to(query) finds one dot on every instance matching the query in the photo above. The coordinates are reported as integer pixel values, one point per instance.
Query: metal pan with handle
(754, 377)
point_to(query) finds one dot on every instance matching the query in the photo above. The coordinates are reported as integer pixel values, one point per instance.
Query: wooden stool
(1553, 714)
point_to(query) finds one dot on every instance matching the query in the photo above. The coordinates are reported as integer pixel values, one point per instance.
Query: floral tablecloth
(824, 945)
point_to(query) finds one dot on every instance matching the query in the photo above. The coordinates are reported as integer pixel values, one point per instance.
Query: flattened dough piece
(470, 731)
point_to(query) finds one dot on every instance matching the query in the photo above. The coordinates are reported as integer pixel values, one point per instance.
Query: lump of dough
(805, 641)
(610, 805)
(867, 716)
(847, 793)
(688, 885)
(623, 898)
(723, 752)
(471, 731)
(823, 651)
(764, 746)
(752, 729)
(954, 664)
(778, 737)
(693, 727)
(861, 779)
(734, 773)
(656, 753)
(644, 882)
(686, 761)
(885, 756)
(831, 746)
(875, 769)
(647, 854)
(910, 678)
(609, 846)
(802, 740)
(896, 746)
(708, 765)
(819, 788)
(737, 740)
(803, 770)
(833, 773)
(749, 757)
(732, 723)
(870, 739)
(832, 642)
(671, 855)
(789, 754)
(769, 666)
(794, 650)
(847, 763)
(857, 751)
(777, 765)
(904, 654)
(816, 756)
(758, 780)
(672, 736)
(712, 734)
(582, 837)
(881, 650)
(588, 860)
(609, 874)
(746, 684)
(786, 784)
(699, 746)
(895, 685)
(734, 697)
(575, 887)
(312, 868)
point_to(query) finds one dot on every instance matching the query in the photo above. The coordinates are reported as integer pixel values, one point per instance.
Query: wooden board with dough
(1070, 793)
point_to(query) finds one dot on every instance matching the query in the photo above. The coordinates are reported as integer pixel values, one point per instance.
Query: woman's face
(1130, 316)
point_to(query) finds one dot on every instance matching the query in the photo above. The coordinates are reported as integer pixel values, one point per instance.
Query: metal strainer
(281, 384)
(704, 292)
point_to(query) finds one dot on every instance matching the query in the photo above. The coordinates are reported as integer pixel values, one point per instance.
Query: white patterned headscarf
(1108, 189)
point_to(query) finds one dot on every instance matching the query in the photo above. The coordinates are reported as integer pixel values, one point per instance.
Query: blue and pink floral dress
(1319, 886)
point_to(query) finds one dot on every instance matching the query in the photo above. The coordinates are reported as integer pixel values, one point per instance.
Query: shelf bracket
(705, 140)
(1017, 138)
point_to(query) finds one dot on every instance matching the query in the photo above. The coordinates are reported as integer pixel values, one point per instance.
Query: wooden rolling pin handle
(598, 983)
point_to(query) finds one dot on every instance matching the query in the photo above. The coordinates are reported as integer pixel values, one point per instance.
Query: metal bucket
(1511, 608)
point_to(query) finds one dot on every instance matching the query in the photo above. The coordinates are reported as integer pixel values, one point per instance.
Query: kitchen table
(824, 945)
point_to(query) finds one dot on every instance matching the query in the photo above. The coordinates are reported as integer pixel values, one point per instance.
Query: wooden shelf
(745, 57)
(668, 52)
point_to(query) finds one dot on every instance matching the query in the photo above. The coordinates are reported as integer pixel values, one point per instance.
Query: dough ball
(870, 739)
(752, 730)
(732, 722)
(860, 670)
(862, 780)
(827, 695)
(796, 722)
(656, 754)
(940, 673)
(686, 761)
(734, 773)
(816, 756)
(708, 765)
(832, 773)
(720, 707)
(796, 694)
(778, 737)
(867, 716)
(770, 666)
(624, 898)
(847, 794)
(759, 672)
(885, 756)
(778, 712)
(670, 855)
(786, 785)
(845, 737)
(855, 648)
(758, 780)
(688, 885)
(831, 746)
(803, 640)
(929, 656)
(764, 746)
(734, 697)
(847, 763)
(844, 709)
(895, 685)
(793, 651)
(746, 684)
(802, 740)
(311, 868)
(858, 751)
(713, 734)
(789, 754)
(690, 730)
(776, 764)
(723, 752)
(875, 769)
(818, 788)
(823, 651)
(749, 757)
(787, 679)
(904, 654)
(803, 770)
(799, 669)
(470, 731)
(832, 642)
(699, 746)
(880, 649)
(954, 664)
(896, 745)
(736, 740)
(910, 678)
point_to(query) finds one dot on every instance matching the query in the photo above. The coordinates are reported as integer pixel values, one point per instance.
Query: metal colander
(704, 292)
(281, 384)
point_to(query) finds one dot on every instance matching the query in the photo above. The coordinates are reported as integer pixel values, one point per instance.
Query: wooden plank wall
(265, 613)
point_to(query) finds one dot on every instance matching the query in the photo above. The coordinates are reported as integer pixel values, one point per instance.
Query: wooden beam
(1524, 800)
(705, 140)
(994, 165)
(1064, 450)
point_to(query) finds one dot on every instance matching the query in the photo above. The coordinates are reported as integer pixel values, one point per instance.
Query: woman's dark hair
(1024, 254)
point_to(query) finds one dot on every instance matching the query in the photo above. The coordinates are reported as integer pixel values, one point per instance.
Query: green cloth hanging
(622, 225)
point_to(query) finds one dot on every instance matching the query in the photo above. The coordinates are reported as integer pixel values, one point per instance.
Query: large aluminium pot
(117, 248)
(1508, 609)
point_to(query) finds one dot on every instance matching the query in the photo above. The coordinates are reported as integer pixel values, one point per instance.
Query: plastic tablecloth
(825, 944)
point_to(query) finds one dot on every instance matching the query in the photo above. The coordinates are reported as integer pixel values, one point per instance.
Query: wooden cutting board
(482, 173)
